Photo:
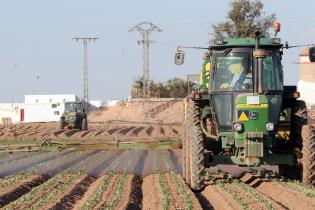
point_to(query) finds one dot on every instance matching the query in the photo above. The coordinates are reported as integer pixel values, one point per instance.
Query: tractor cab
(234, 78)
(76, 107)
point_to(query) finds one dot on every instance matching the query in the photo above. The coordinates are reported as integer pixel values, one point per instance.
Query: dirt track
(134, 180)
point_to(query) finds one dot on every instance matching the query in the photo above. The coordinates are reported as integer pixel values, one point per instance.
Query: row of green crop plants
(98, 195)
(49, 191)
(163, 186)
(308, 190)
(229, 185)
(13, 179)
(44, 193)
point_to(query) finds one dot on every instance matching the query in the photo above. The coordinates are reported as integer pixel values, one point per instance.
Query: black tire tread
(195, 138)
(308, 155)
(61, 123)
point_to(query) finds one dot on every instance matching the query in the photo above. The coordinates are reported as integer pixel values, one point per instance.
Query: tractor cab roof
(265, 43)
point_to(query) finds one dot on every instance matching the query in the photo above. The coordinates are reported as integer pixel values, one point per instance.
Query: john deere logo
(253, 115)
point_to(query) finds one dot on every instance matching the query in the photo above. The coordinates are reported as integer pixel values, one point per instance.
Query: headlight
(270, 126)
(238, 127)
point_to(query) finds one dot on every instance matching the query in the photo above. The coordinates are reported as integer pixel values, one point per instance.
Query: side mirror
(179, 57)
(312, 54)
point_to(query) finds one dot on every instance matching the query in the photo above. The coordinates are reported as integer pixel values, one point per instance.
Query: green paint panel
(227, 139)
(256, 112)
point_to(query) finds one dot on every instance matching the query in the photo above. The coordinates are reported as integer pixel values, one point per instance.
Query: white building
(306, 84)
(45, 108)
(111, 103)
(38, 108)
(10, 113)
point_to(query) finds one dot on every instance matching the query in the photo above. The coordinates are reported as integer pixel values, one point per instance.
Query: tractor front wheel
(61, 123)
(84, 124)
(194, 148)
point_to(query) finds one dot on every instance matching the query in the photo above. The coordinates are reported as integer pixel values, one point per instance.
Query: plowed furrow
(136, 194)
(174, 131)
(109, 193)
(246, 198)
(126, 195)
(264, 200)
(126, 130)
(176, 201)
(13, 194)
(137, 130)
(28, 203)
(195, 201)
(70, 133)
(285, 196)
(27, 187)
(218, 198)
(92, 191)
(152, 193)
(95, 192)
(149, 130)
(204, 202)
(162, 130)
(77, 191)
(112, 131)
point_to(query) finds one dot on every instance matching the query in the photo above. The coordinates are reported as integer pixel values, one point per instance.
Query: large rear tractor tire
(302, 142)
(61, 123)
(308, 155)
(194, 148)
(84, 124)
(298, 119)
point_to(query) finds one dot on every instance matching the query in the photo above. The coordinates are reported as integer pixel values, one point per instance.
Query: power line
(145, 29)
(86, 101)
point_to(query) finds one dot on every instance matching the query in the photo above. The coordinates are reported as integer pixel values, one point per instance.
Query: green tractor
(74, 116)
(247, 117)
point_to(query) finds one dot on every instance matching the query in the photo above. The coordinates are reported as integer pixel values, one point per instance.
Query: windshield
(232, 71)
(73, 107)
(272, 72)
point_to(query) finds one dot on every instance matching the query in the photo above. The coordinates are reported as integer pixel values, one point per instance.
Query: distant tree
(172, 88)
(177, 87)
(243, 19)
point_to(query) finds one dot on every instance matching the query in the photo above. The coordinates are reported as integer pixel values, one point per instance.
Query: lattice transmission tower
(145, 29)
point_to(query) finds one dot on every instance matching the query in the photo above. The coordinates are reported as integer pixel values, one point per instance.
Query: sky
(38, 55)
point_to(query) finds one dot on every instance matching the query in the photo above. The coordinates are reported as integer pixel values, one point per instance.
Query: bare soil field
(117, 123)
(143, 179)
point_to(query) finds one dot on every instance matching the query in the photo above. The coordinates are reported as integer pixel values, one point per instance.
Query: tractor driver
(241, 76)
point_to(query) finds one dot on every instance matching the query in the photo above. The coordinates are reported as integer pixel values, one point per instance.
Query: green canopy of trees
(172, 88)
(243, 19)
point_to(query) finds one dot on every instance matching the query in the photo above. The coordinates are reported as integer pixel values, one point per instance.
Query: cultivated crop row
(141, 179)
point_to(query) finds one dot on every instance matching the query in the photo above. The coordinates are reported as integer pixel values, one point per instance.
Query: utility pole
(86, 101)
(145, 29)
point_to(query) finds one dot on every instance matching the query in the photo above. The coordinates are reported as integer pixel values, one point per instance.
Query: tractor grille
(254, 148)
